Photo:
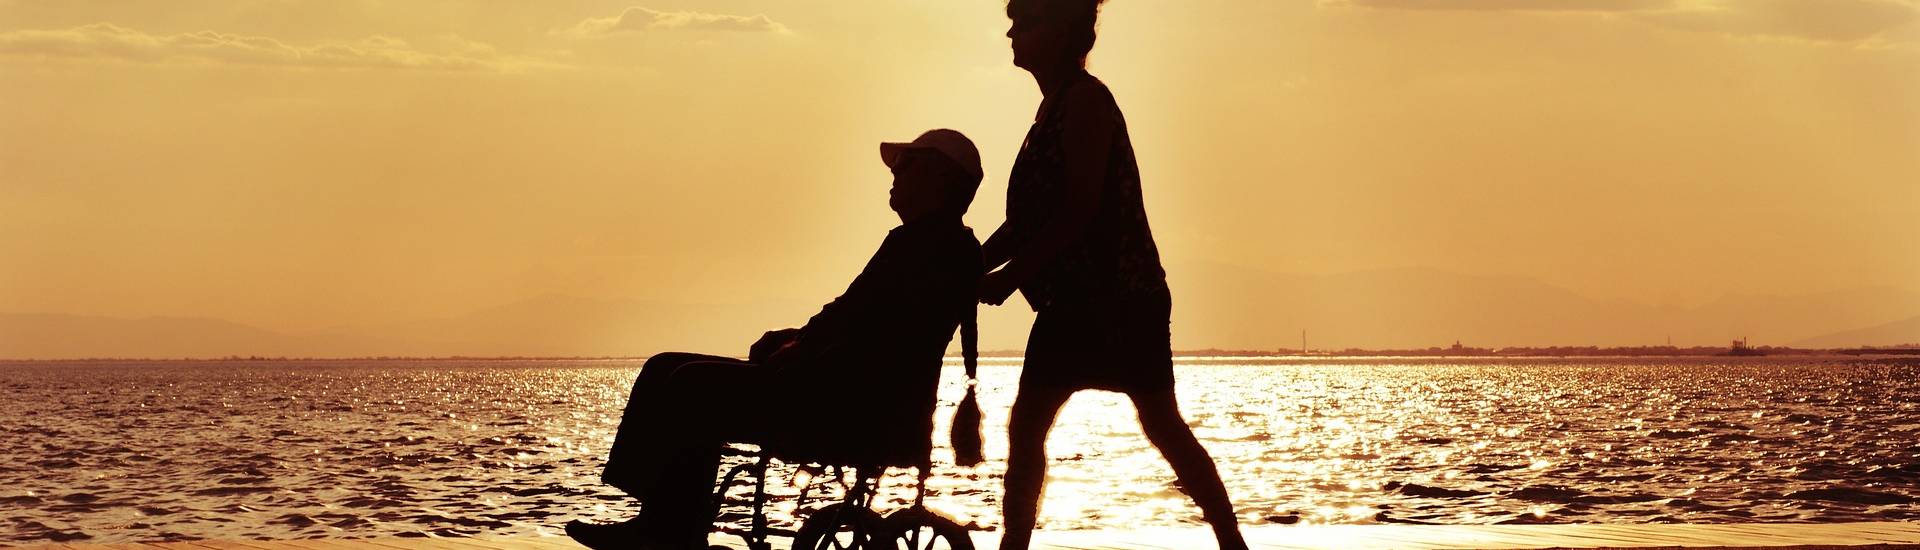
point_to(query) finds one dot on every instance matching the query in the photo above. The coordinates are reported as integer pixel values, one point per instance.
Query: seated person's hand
(995, 287)
(770, 343)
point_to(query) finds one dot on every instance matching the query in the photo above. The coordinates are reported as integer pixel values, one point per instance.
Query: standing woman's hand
(995, 287)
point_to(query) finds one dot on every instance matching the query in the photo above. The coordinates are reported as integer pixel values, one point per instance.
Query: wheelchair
(884, 433)
(852, 523)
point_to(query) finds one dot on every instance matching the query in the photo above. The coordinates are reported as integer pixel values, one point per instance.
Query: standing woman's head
(1050, 35)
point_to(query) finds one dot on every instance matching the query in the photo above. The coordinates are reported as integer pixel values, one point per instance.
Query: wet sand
(1851, 536)
(1503, 537)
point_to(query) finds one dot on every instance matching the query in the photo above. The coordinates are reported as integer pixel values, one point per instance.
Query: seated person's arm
(837, 320)
(771, 343)
(934, 286)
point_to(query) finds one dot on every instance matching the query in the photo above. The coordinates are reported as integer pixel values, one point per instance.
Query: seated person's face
(920, 178)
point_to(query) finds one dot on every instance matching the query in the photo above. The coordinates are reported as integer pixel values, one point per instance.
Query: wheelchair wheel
(840, 527)
(921, 529)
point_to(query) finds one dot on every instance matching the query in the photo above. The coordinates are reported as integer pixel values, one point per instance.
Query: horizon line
(1510, 351)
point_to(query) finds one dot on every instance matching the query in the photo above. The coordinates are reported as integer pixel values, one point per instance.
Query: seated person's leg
(713, 403)
(630, 467)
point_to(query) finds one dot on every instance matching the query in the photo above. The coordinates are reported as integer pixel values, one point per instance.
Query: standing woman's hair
(1079, 17)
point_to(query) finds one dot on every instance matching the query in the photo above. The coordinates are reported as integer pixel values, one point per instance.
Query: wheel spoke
(841, 527)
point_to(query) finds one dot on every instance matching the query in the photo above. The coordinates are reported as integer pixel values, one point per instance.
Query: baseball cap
(951, 144)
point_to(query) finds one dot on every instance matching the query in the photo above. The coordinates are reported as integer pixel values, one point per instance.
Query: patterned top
(1115, 258)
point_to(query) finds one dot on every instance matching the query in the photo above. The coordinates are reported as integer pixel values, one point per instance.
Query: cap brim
(890, 152)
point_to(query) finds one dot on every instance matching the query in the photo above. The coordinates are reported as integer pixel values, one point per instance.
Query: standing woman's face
(1037, 41)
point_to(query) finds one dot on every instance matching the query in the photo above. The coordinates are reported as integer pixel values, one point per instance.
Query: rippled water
(179, 450)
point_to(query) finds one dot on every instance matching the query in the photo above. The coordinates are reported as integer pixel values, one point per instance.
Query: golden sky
(303, 164)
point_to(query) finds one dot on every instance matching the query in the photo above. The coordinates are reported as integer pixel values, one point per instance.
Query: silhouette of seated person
(861, 371)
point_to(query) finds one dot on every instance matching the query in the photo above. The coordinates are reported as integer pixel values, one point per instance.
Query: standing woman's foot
(1231, 540)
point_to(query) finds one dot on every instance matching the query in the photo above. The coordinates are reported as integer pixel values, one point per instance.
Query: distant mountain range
(1901, 332)
(1227, 306)
(33, 335)
(1216, 306)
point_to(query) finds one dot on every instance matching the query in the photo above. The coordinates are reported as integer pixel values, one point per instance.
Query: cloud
(110, 41)
(1820, 20)
(638, 19)
(1509, 5)
(1850, 21)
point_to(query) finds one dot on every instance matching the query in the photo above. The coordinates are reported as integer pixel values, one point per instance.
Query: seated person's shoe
(605, 536)
(632, 534)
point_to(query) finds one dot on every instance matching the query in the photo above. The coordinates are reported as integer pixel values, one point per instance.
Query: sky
(304, 164)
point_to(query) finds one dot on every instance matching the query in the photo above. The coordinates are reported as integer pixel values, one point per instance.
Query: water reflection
(280, 450)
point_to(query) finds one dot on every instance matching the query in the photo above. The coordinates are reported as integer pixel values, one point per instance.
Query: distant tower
(1303, 341)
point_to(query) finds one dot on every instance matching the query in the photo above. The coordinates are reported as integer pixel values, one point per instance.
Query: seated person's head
(934, 176)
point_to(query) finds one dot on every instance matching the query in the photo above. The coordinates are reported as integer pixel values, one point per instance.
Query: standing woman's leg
(1034, 409)
(1160, 419)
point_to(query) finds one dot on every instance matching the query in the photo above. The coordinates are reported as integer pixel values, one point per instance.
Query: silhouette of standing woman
(1076, 245)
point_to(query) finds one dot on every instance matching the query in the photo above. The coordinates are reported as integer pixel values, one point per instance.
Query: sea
(120, 451)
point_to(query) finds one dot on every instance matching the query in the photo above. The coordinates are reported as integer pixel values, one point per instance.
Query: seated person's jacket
(862, 374)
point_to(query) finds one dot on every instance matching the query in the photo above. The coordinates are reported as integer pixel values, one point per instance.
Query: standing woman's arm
(997, 250)
(1087, 142)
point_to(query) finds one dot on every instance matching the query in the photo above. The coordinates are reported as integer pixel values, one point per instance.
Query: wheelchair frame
(859, 495)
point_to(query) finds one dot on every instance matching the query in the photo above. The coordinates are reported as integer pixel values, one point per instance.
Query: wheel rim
(914, 530)
(850, 539)
(924, 537)
(848, 532)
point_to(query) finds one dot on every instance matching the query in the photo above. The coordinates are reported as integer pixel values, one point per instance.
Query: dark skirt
(1122, 345)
